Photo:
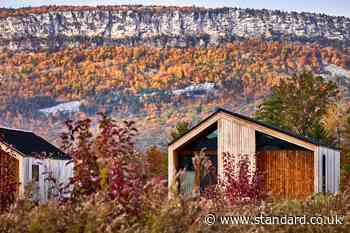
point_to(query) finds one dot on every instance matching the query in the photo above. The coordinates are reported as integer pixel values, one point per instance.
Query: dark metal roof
(305, 139)
(30, 144)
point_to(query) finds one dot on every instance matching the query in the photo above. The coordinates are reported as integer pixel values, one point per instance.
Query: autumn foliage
(4, 12)
(240, 183)
(79, 73)
(141, 80)
(105, 162)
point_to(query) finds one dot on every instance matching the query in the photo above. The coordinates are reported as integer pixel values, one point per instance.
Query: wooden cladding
(236, 139)
(287, 174)
(9, 173)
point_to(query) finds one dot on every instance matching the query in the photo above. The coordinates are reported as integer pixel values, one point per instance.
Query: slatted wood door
(9, 173)
(287, 174)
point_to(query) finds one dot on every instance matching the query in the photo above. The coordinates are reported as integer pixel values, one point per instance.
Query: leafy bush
(107, 162)
(157, 164)
(239, 184)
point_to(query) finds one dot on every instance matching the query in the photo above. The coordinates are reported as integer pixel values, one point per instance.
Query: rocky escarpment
(166, 27)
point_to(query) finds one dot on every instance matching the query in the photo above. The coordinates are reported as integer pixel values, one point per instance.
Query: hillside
(156, 65)
(162, 84)
(66, 26)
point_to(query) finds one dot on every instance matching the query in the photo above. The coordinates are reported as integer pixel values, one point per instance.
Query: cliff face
(196, 27)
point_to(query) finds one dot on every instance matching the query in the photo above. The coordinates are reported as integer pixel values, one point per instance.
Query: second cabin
(26, 159)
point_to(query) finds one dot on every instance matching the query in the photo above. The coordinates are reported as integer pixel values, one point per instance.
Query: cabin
(292, 166)
(26, 159)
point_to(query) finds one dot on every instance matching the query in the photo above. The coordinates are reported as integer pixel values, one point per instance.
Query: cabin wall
(59, 169)
(332, 171)
(287, 173)
(235, 138)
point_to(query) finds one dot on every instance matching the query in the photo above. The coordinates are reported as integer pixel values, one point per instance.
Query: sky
(330, 7)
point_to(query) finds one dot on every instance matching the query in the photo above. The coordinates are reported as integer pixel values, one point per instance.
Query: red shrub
(238, 184)
(106, 162)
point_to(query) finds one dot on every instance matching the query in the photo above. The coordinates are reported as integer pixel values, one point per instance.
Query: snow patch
(193, 88)
(69, 107)
(198, 89)
(337, 70)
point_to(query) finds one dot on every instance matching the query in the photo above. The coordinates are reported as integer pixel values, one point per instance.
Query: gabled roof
(29, 144)
(291, 134)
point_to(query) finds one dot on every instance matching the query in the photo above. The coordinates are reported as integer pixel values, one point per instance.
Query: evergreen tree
(298, 104)
(181, 128)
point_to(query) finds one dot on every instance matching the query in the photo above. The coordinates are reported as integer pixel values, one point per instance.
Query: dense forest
(8, 12)
(147, 81)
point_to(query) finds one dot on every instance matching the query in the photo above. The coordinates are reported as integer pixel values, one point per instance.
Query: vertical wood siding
(236, 139)
(59, 169)
(287, 174)
(332, 169)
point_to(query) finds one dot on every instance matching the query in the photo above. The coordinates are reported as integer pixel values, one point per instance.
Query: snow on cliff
(172, 27)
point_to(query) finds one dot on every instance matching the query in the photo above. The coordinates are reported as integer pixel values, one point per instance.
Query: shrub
(239, 184)
(156, 162)
(106, 162)
(7, 195)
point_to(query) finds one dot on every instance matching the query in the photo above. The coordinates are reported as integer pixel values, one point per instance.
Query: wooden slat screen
(287, 174)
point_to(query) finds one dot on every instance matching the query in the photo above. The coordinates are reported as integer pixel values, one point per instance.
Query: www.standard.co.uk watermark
(211, 219)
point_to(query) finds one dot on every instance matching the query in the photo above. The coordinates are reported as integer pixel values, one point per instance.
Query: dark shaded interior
(266, 142)
(207, 139)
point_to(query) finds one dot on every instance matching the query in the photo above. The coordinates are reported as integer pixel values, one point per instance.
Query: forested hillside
(154, 82)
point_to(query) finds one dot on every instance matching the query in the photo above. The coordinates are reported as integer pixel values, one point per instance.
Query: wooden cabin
(293, 166)
(21, 167)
